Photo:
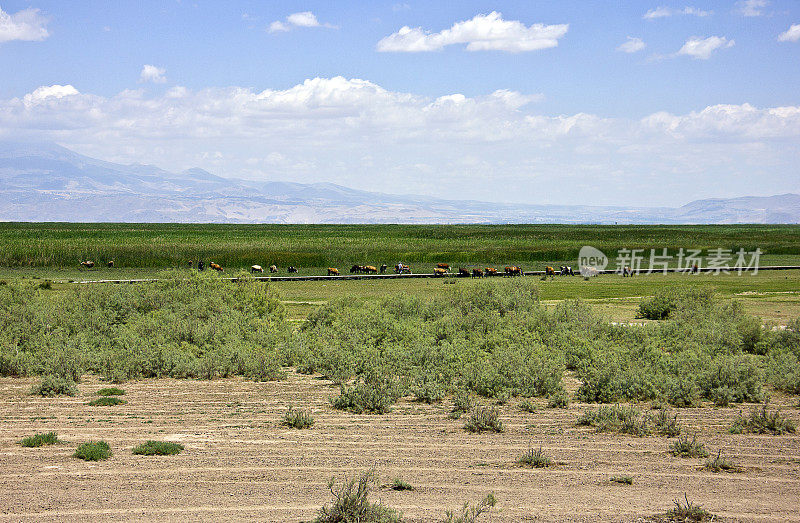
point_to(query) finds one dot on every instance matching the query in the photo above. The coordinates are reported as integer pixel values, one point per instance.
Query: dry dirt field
(241, 464)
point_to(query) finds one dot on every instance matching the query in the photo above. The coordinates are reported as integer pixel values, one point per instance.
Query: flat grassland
(240, 463)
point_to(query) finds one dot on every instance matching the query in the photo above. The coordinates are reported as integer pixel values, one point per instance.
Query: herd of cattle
(442, 269)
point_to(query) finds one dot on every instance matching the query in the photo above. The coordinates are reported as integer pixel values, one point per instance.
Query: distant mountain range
(46, 182)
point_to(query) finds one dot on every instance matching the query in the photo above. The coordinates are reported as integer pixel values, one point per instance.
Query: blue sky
(705, 102)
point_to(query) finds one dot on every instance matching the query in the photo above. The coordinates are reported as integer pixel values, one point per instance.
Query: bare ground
(240, 463)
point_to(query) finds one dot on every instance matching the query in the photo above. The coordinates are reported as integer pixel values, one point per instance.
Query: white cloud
(496, 144)
(48, 91)
(26, 25)
(752, 7)
(632, 45)
(151, 73)
(664, 12)
(481, 33)
(701, 48)
(304, 19)
(790, 35)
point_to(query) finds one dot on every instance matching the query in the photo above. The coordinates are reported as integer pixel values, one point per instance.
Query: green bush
(158, 448)
(107, 401)
(762, 421)
(298, 419)
(666, 423)
(484, 419)
(559, 400)
(618, 418)
(373, 396)
(93, 451)
(40, 439)
(686, 448)
(399, 484)
(783, 369)
(351, 504)
(110, 391)
(55, 386)
(625, 480)
(534, 458)
(527, 406)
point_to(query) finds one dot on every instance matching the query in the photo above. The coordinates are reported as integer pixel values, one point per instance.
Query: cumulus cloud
(151, 73)
(632, 45)
(790, 35)
(752, 7)
(664, 12)
(303, 19)
(323, 128)
(701, 48)
(482, 33)
(28, 25)
(49, 91)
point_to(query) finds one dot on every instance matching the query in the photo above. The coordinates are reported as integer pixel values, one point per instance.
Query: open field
(240, 463)
(315, 247)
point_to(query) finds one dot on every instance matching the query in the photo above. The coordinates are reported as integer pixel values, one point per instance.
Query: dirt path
(239, 463)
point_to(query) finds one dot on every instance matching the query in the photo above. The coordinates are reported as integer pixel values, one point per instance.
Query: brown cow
(256, 268)
(369, 269)
(333, 271)
(88, 264)
(438, 271)
(491, 271)
(444, 266)
(110, 264)
(477, 273)
(513, 271)
(217, 267)
(549, 271)
(464, 273)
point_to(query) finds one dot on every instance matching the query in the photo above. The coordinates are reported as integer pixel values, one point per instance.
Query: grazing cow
(201, 266)
(370, 269)
(273, 269)
(216, 266)
(190, 264)
(88, 264)
(627, 271)
(464, 273)
(549, 271)
(513, 271)
(256, 268)
(333, 271)
(569, 270)
(383, 268)
(438, 271)
(443, 266)
(291, 269)
(355, 268)
(491, 271)
(110, 264)
(402, 269)
(477, 273)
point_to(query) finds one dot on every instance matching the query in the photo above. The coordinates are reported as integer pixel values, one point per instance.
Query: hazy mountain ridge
(46, 182)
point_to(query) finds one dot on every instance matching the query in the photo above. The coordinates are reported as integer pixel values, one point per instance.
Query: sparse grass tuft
(350, 503)
(625, 480)
(51, 386)
(298, 419)
(399, 484)
(484, 419)
(470, 514)
(762, 421)
(720, 464)
(688, 512)
(40, 439)
(107, 401)
(666, 423)
(158, 448)
(110, 391)
(534, 458)
(686, 448)
(93, 451)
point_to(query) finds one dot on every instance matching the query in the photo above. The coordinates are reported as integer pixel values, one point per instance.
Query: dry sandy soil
(240, 463)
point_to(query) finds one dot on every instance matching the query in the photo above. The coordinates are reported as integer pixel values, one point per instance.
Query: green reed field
(315, 247)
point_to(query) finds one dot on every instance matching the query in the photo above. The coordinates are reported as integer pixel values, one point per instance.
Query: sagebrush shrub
(55, 386)
(686, 448)
(534, 458)
(372, 396)
(484, 419)
(298, 419)
(351, 504)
